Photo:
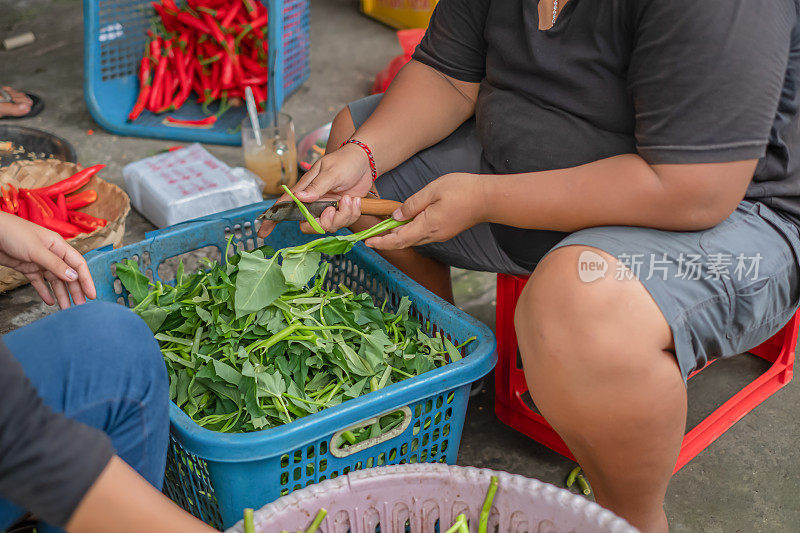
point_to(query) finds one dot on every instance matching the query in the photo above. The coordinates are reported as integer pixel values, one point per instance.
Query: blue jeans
(99, 364)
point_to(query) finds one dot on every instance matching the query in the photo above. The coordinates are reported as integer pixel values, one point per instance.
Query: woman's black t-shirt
(676, 81)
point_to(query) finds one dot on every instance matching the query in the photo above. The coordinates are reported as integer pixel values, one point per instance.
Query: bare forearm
(122, 501)
(622, 190)
(420, 108)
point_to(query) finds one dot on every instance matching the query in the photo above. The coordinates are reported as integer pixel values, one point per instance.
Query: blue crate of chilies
(115, 32)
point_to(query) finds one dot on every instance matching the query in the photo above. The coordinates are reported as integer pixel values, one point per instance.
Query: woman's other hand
(439, 211)
(53, 267)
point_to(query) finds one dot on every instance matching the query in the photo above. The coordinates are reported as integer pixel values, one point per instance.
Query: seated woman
(84, 413)
(657, 138)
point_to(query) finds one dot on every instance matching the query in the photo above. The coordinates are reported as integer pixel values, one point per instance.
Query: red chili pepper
(260, 96)
(14, 197)
(230, 48)
(34, 210)
(249, 5)
(65, 229)
(23, 209)
(5, 209)
(51, 205)
(156, 93)
(242, 18)
(226, 79)
(254, 67)
(189, 19)
(212, 59)
(215, 82)
(255, 80)
(206, 84)
(81, 199)
(185, 82)
(171, 81)
(71, 184)
(197, 82)
(61, 207)
(41, 204)
(166, 93)
(230, 15)
(155, 49)
(167, 18)
(207, 10)
(254, 26)
(208, 3)
(86, 222)
(145, 86)
(7, 203)
(183, 93)
(201, 123)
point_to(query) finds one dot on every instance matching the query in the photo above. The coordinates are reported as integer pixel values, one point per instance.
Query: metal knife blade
(281, 211)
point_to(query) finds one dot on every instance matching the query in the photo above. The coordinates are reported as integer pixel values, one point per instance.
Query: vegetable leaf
(258, 283)
(133, 280)
(298, 269)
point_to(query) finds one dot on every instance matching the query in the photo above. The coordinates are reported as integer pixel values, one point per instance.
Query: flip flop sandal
(36, 107)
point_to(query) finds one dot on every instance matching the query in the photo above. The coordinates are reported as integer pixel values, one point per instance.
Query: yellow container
(400, 14)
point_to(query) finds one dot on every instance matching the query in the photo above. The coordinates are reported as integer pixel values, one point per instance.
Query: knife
(281, 211)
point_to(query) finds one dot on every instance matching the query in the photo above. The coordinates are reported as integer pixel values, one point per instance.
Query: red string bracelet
(373, 170)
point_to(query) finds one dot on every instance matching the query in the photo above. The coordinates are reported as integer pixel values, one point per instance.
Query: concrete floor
(748, 480)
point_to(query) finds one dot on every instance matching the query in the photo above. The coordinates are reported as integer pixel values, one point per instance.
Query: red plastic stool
(510, 383)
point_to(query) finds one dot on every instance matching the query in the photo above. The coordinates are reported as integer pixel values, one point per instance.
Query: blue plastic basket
(114, 40)
(216, 475)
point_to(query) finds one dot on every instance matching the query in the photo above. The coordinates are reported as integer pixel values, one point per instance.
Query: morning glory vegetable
(304, 210)
(261, 340)
(483, 522)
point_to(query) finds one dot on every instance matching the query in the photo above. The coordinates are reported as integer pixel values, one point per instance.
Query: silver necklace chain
(555, 11)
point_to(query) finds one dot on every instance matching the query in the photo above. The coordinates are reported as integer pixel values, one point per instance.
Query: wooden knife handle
(376, 206)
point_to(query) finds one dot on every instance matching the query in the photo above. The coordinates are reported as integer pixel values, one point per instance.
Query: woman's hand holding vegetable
(47, 260)
(343, 174)
(441, 210)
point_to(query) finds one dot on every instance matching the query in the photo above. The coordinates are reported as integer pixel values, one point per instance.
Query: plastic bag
(188, 183)
(409, 39)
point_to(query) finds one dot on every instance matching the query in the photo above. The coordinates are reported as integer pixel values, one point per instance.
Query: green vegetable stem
(317, 521)
(459, 525)
(483, 523)
(249, 525)
(300, 205)
(571, 477)
(584, 485)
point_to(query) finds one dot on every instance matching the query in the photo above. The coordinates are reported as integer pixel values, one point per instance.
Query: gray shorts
(723, 291)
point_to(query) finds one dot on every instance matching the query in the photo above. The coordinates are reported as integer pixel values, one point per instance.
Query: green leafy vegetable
(258, 284)
(303, 209)
(266, 338)
(134, 281)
